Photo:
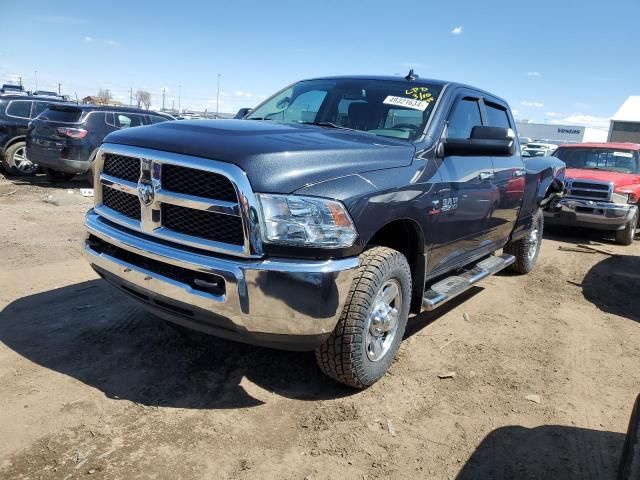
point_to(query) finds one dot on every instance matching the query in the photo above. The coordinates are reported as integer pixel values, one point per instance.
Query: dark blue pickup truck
(324, 217)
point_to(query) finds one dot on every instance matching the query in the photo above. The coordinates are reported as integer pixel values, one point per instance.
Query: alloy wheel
(382, 323)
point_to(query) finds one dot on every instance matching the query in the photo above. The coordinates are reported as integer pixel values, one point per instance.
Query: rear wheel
(56, 176)
(527, 249)
(628, 233)
(15, 161)
(365, 341)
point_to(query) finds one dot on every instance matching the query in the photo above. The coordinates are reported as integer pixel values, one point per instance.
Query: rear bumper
(53, 158)
(288, 304)
(575, 212)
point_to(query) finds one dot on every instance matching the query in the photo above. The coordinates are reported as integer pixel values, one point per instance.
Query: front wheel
(527, 249)
(365, 341)
(15, 161)
(628, 233)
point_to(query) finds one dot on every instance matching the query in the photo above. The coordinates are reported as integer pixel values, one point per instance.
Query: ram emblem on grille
(146, 193)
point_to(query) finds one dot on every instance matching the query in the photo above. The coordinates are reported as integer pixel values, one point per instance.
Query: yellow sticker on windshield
(420, 93)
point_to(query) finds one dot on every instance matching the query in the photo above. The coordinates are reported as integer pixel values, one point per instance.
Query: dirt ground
(90, 385)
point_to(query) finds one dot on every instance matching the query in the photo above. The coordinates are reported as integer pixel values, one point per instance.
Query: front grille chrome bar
(150, 223)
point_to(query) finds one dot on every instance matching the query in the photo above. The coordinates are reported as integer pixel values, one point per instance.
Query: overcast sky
(563, 61)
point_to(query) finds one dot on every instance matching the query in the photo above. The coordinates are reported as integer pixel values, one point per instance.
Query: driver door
(465, 194)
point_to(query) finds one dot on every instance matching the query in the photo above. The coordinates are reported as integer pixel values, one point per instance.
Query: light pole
(179, 93)
(35, 74)
(218, 96)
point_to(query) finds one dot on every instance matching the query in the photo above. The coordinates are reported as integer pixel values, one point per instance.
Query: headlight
(305, 221)
(620, 197)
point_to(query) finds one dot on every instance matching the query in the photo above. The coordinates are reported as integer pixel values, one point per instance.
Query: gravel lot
(92, 385)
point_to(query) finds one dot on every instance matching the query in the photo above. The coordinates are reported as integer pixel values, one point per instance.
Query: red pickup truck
(602, 188)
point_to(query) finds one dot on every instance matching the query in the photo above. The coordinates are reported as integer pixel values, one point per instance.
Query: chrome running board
(441, 292)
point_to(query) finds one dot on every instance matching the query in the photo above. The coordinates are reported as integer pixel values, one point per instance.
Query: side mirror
(243, 112)
(488, 141)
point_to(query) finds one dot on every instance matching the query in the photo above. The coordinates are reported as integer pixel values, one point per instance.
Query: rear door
(465, 195)
(508, 178)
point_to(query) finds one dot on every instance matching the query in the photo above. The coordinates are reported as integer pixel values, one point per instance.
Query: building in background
(625, 124)
(561, 133)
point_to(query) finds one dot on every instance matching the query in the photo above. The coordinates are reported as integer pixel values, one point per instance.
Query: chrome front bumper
(590, 214)
(292, 304)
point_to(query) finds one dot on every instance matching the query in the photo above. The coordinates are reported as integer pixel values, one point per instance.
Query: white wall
(541, 131)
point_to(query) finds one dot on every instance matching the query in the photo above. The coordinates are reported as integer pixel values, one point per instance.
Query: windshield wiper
(326, 124)
(259, 118)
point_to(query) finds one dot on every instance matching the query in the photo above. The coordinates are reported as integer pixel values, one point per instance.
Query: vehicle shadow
(93, 333)
(419, 322)
(41, 180)
(547, 452)
(613, 285)
(578, 235)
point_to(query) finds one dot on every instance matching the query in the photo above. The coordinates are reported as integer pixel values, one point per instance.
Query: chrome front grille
(178, 198)
(590, 190)
(119, 166)
(199, 223)
(124, 203)
(196, 182)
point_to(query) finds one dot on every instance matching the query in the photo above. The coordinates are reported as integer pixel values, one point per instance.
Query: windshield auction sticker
(623, 154)
(406, 102)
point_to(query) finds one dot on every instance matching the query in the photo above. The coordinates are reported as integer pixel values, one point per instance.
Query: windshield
(615, 160)
(397, 109)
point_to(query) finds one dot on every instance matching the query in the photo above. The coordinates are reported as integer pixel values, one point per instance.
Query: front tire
(527, 249)
(628, 233)
(365, 341)
(15, 161)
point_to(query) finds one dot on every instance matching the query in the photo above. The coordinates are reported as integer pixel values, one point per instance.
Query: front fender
(545, 178)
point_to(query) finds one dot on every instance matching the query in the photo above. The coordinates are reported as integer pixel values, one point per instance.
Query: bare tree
(143, 98)
(104, 96)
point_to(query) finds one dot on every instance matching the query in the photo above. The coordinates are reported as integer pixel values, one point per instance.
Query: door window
(497, 116)
(466, 115)
(129, 120)
(157, 119)
(38, 108)
(19, 108)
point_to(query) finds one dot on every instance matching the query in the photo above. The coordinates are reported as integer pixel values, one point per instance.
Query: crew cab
(602, 188)
(64, 138)
(16, 110)
(324, 217)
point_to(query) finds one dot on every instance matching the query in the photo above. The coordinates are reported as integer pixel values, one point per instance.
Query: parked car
(15, 113)
(538, 149)
(603, 188)
(524, 141)
(64, 138)
(323, 218)
(9, 89)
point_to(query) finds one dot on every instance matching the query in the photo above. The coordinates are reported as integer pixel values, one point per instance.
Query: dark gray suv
(16, 110)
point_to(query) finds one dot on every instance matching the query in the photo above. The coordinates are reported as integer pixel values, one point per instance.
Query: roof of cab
(418, 81)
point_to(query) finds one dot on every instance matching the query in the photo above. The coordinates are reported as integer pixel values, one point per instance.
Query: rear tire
(527, 249)
(55, 176)
(628, 233)
(15, 161)
(365, 341)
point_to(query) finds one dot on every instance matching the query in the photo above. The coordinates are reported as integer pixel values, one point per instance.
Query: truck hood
(619, 179)
(277, 158)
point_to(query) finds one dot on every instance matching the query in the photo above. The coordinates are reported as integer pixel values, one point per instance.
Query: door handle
(485, 175)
